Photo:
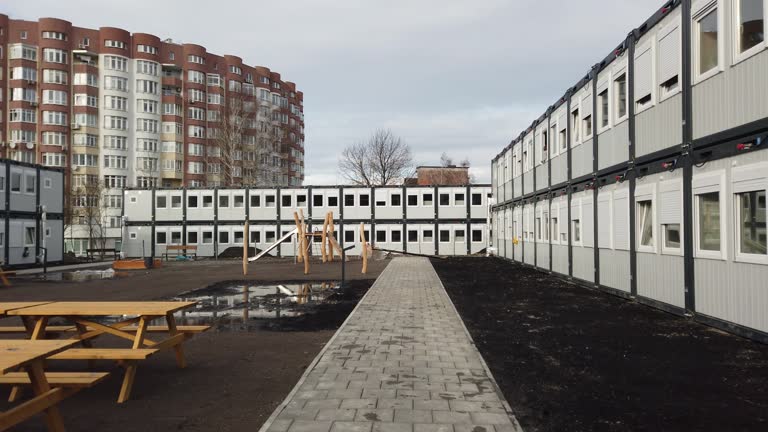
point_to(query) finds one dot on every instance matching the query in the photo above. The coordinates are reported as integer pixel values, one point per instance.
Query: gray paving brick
(402, 363)
(310, 426)
(344, 426)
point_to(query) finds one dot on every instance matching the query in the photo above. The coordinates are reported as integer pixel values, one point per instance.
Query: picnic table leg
(86, 343)
(130, 370)
(40, 386)
(180, 361)
(38, 332)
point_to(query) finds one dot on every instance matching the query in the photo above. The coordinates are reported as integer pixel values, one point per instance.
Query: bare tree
(445, 160)
(382, 160)
(89, 209)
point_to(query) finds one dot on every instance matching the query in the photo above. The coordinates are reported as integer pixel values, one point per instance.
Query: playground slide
(274, 245)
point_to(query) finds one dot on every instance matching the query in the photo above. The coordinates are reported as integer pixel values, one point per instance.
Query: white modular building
(427, 220)
(31, 214)
(647, 178)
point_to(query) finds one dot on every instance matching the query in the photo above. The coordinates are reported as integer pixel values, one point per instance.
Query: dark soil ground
(569, 358)
(236, 375)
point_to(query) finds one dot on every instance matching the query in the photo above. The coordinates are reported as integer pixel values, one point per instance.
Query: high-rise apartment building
(117, 110)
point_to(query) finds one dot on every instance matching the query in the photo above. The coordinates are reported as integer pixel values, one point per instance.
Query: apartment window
(645, 223)
(191, 237)
(207, 237)
(116, 103)
(445, 236)
(161, 237)
(413, 236)
(55, 118)
(147, 86)
(239, 201)
(365, 200)
(115, 122)
(751, 223)
(477, 199)
(708, 209)
(395, 236)
(55, 138)
(671, 236)
(196, 77)
(269, 200)
(750, 25)
(381, 236)
(52, 55)
(575, 125)
(458, 236)
(115, 162)
(195, 59)
(413, 200)
(477, 236)
(426, 199)
(82, 99)
(620, 85)
(223, 237)
(223, 201)
(333, 201)
(576, 228)
(708, 43)
(15, 182)
(458, 199)
(162, 201)
(114, 44)
(30, 184)
(53, 76)
(207, 201)
(147, 106)
(602, 99)
(349, 236)
(86, 79)
(116, 63)
(426, 236)
(115, 83)
(146, 49)
(115, 142)
(147, 68)
(192, 201)
(349, 200)
(286, 201)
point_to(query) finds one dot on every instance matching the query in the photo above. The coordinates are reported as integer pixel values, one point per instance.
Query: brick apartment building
(118, 110)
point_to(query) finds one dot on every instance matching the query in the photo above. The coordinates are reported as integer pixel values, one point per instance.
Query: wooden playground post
(331, 237)
(364, 248)
(305, 248)
(323, 239)
(299, 236)
(245, 249)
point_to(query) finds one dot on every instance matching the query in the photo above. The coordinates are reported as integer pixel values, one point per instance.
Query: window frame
(699, 11)
(646, 194)
(620, 71)
(650, 48)
(676, 24)
(740, 256)
(718, 188)
(738, 56)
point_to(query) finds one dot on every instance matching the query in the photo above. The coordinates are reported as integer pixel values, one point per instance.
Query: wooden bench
(91, 253)
(57, 379)
(126, 354)
(193, 329)
(185, 250)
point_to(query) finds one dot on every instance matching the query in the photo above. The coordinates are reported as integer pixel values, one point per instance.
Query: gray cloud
(458, 76)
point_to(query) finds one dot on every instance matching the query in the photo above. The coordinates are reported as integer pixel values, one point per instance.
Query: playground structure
(306, 239)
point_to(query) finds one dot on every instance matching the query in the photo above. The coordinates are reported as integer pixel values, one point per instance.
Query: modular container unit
(445, 220)
(657, 179)
(32, 213)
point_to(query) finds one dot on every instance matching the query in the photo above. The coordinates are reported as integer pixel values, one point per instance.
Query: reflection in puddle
(236, 305)
(80, 275)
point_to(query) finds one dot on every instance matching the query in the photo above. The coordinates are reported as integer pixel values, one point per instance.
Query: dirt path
(575, 359)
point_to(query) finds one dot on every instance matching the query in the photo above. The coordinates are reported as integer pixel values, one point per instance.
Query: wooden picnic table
(30, 354)
(7, 306)
(132, 325)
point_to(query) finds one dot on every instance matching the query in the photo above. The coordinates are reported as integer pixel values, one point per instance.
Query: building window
(223, 237)
(364, 200)
(708, 207)
(426, 199)
(645, 223)
(751, 24)
(413, 200)
(671, 236)
(381, 236)
(349, 200)
(223, 201)
(620, 84)
(575, 126)
(477, 199)
(751, 223)
(708, 45)
(576, 227)
(413, 236)
(477, 236)
(603, 106)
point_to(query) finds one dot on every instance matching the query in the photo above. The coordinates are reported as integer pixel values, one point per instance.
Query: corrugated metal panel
(542, 258)
(584, 263)
(613, 146)
(733, 292)
(732, 98)
(660, 127)
(621, 219)
(614, 269)
(581, 159)
(560, 259)
(559, 169)
(660, 277)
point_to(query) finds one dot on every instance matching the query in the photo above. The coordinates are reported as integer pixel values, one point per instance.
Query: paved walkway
(402, 362)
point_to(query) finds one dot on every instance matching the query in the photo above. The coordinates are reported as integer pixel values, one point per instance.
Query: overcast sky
(456, 76)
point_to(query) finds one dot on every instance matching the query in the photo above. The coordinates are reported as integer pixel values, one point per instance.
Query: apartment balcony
(175, 174)
(172, 81)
